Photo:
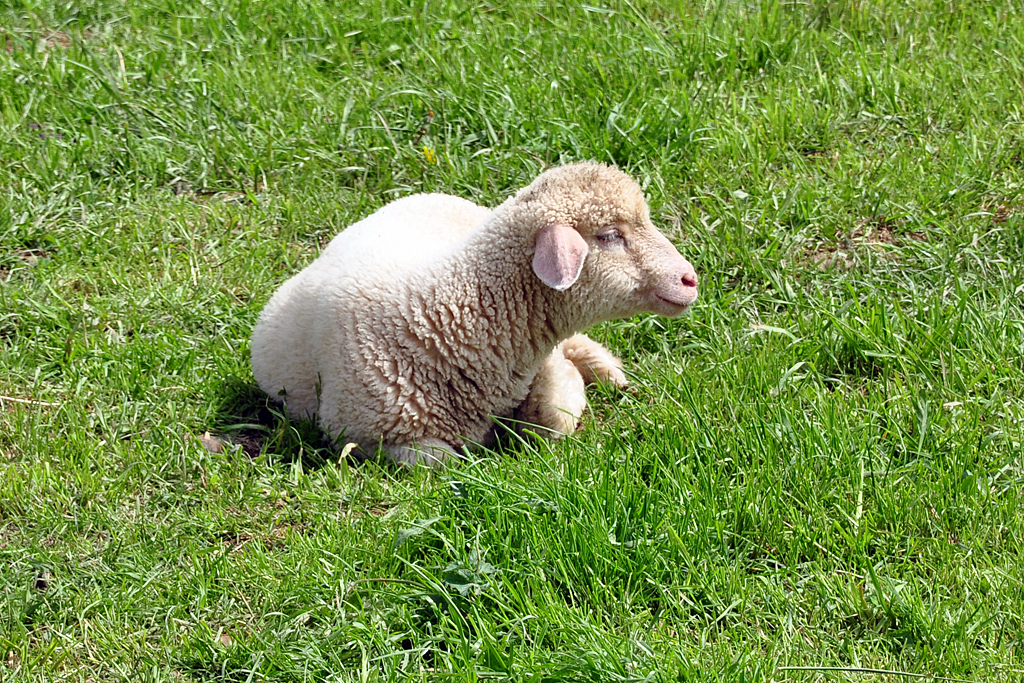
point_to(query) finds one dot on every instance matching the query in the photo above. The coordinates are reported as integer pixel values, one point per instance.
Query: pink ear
(559, 255)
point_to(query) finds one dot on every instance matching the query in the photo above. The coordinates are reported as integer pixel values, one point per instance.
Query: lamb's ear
(559, 255)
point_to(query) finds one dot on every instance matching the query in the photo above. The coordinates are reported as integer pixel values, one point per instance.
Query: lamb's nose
(690, 278)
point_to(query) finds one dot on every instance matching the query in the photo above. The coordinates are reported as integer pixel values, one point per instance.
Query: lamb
(421, 325)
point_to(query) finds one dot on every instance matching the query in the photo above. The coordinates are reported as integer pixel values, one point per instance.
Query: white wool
(424, 321)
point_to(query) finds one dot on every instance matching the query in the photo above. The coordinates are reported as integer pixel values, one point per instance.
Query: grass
(820, 467)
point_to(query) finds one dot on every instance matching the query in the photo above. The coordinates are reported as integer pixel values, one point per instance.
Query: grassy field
(820, 467)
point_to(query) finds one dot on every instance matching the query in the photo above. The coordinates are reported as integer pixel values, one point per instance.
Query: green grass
(820, 467)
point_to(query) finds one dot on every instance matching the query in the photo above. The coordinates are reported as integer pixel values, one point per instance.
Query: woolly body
(419, 323)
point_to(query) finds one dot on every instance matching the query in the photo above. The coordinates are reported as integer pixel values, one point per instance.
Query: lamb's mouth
(678, 307)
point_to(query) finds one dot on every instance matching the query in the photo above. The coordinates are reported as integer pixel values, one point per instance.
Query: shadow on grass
(247, 417)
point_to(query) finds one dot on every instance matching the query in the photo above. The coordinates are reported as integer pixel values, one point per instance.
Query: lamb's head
(594, 239)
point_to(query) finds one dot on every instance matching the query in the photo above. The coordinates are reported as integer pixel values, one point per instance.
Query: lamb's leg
(429, 452)
(556, 400)
(595, 362)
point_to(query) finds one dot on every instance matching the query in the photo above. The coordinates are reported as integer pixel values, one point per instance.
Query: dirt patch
(875, 230)
(380, 509)
(827, 258)
(251, 442)
(272, 540)
(876, 234)
(10, 536)
(52, 39)
(31, 257)
(1002, 208)
(212, 443)
(811, 152)
(1002, 212)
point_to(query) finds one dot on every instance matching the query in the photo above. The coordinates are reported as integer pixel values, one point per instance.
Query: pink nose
(689, 278)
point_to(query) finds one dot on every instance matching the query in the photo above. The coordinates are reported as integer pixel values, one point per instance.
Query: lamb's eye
(609, 236)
